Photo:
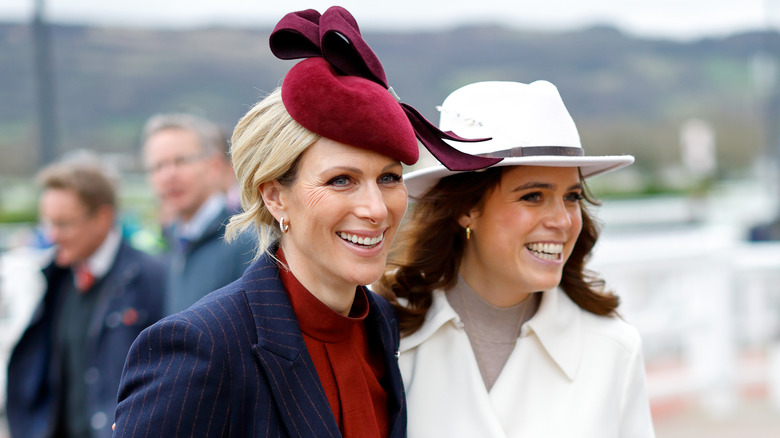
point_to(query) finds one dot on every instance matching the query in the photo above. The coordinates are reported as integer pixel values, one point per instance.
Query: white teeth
(366, 241)
(546, 251)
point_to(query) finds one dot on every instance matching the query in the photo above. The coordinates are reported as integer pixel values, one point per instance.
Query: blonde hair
(265, 146)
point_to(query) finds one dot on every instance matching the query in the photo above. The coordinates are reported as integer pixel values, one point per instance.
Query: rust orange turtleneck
(349, 369)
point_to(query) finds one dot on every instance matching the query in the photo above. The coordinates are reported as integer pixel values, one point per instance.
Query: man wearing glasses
(184, 159)
(100, 294)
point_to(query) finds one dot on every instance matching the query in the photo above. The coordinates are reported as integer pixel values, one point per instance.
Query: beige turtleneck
(492, 331)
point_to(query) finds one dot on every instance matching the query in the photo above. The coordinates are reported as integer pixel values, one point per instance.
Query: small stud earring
(283, 226)
(468, 232)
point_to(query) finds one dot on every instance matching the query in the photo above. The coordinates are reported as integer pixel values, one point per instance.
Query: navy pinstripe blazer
(235, 365)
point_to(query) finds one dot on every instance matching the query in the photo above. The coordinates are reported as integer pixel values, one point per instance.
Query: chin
(365, 278)
(63, 260)
(550, 285)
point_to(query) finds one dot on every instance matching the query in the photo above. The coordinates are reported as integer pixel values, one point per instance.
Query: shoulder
(613, 328)
(243, 248)
(559, 314)
(229, 297)
(222, 317)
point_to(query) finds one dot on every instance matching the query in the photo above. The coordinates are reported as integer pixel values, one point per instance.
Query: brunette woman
(506, 333)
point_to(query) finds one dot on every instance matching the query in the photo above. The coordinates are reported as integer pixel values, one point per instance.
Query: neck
(338, 296)
(491, 288)
(206, 206)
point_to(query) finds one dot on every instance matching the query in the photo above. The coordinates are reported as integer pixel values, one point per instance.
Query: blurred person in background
(100, 293)
(184, 156)
(506, 334)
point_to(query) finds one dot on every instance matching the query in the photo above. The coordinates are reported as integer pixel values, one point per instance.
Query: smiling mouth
(368, 242)
(546, 251)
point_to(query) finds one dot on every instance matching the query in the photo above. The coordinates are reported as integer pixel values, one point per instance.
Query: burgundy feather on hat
(341, 92)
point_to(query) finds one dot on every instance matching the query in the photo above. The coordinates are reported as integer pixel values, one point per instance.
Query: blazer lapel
(383, 321)
(281, 353)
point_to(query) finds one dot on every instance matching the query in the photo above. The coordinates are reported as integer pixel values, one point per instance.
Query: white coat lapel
(558, 325)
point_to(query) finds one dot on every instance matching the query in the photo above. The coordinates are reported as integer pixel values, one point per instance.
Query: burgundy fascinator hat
(340, 92)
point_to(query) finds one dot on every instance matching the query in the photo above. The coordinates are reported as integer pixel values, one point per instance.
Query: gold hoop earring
(283, 226)
(468, 232)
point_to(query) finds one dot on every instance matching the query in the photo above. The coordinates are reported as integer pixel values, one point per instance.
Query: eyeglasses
(175, 162)
(64, 225)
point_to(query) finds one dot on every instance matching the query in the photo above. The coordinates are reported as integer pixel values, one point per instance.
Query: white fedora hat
(527, 124)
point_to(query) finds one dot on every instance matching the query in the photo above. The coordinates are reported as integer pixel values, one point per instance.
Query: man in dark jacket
(184, 159)
(100, 294)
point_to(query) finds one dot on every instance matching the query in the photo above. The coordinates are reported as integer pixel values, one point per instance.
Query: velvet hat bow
(335, 37)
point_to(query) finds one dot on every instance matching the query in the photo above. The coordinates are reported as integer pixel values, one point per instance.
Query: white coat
(572, 374)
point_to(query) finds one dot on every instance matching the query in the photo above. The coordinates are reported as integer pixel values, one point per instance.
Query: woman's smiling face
(344, 209)
(523, 234)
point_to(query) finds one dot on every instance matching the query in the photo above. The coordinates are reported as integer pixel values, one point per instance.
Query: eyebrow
(546, 186)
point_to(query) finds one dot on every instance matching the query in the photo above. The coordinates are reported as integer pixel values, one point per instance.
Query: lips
(546, 251)
(368, 242)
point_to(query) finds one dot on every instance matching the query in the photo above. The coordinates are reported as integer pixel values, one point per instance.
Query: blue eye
(390, 178)
(340, 180)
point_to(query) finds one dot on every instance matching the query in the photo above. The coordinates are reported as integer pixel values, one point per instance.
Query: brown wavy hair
(428, 251)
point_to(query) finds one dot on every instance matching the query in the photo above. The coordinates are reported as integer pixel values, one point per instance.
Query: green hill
(627, 94)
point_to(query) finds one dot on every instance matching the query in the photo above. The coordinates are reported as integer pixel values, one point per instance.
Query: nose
(165, 172)
(558, 215)
(372, 205)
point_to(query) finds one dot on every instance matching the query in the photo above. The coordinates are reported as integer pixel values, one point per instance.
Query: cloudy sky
(679, 19)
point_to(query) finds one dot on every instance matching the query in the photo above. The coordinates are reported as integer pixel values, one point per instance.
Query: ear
(106, 215)
(273, 198)
(465, 219)
(215, 163)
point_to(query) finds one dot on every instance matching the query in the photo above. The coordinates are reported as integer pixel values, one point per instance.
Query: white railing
(705, 301)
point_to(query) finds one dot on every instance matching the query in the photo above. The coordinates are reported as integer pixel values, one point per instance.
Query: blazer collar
(557, 324)
(281, 352)
(275, 321)
(382, 318)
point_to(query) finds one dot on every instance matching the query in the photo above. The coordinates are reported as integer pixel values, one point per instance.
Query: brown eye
(574, 197)
(532, 197)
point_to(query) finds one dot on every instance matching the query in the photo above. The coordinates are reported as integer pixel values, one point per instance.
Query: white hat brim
(420, 181)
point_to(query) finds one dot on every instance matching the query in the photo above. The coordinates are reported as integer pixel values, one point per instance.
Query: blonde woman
(296, 346)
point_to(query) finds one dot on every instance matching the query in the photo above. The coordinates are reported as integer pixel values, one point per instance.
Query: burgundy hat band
(335, 36)
(536, 151)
